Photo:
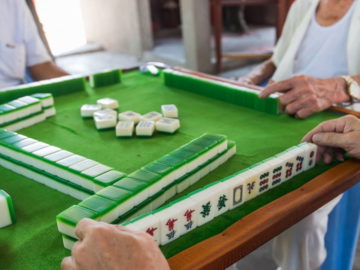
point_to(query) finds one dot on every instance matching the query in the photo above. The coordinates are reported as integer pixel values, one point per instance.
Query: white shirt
(20, 44)
(295, 28)
(322, 52)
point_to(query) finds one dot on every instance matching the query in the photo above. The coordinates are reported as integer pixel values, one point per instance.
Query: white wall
(118, 25)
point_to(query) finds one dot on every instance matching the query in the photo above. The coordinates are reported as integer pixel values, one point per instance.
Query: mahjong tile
(170, 110)
(104, 121)
(152, 116)
(167, 125)
(145, 128)
(125, 128)
(88, 110)
(130, 116)
(108, 103)
(146, 223)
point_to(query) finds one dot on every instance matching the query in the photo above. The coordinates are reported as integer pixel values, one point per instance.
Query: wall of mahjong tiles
(34, 242)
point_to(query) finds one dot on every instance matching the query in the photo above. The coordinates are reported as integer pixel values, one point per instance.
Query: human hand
(246, 80)
(110, 247)
(305, 95)
(335, 137)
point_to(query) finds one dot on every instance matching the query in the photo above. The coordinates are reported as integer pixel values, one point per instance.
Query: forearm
(47, 70)
(262, 72)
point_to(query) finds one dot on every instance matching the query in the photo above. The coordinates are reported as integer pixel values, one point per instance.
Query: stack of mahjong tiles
(201, 206)
(26, 111)
(220, 90)
(62, 170)
(106, 117)
(7, 212)
(149, 187)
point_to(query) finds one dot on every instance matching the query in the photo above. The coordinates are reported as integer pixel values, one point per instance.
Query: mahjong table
(259, 131)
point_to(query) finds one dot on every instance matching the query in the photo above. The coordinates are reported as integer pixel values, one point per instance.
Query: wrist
(342, 89)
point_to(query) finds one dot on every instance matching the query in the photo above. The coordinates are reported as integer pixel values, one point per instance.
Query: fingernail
(316, 138)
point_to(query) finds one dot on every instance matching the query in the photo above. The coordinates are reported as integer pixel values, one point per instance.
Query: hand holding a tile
(104, 246)
(303, 95)
(335, 137)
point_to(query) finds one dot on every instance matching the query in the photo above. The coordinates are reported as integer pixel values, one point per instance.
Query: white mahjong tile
(264, 175)
(106, 112)
(169, 224)
(205, 208)
(96, 170)
(5, 218)
(109, 103)
(46, 151)
(34, 147)
(59, 155)
(167, 125)
(145, 128)
(88, 110)
(152, 116)
(187, 220)
(310, 155)
(149, 224)
(83, 165)
(130, 116)
(184, 184)
(125, 128)
(278, 171)
(170, 110)
(105, 121)
(156, 203)
(299, 154)
(170, 192)
(222, 198)
(236, 185)
(290, 161)
(68, 243)
(50, 112)
(71, 160)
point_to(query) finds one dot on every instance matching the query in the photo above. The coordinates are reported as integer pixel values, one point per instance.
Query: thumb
(330, 139)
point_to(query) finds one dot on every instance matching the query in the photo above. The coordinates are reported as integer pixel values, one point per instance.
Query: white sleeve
(290, 26)
(36, 52)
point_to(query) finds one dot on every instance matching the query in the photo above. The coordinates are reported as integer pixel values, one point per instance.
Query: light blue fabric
(343, 231)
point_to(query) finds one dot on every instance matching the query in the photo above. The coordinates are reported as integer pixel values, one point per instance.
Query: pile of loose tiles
(26, 111)
(62, 170)
(199, 207)
(149, 187)
(7, 212)
(105, 116)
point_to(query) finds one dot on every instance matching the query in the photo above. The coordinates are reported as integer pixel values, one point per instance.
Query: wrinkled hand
(335, 137)
(304, 95)
(110, 247)
(246, 80)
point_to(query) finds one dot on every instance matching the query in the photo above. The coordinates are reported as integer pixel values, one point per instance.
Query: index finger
(335, 125)
(282, 86)
(83, 227)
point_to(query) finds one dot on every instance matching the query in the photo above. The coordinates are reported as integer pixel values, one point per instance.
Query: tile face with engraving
(170, 110)
(152, 116)
(125, 128)
(145, 128)
(167, 125)
(169, 218)
(130, 116)
(147, 223)
(205, 207)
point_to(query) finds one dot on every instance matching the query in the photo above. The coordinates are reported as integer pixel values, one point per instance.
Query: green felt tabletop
(34, 242)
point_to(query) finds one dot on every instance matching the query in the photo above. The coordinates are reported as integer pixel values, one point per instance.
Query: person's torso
(323, 51)
(12, 47)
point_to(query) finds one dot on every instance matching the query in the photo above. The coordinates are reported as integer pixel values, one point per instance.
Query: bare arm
(47, 70)
(262, 72)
